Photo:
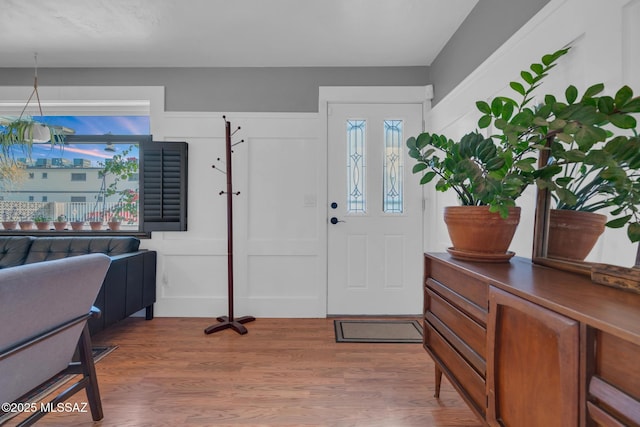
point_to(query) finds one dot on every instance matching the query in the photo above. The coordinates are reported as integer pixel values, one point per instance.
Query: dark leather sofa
(130, 283)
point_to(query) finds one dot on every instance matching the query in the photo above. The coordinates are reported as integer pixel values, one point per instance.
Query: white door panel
(374, 248)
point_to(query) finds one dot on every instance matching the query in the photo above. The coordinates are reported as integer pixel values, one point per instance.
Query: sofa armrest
(129, 286)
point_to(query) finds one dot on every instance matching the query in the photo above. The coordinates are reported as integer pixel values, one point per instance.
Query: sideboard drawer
(614, 389)
(469, 287)
(467, 381)
(470, 308)
(462, 325)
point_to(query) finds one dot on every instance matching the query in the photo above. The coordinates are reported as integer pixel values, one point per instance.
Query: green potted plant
(19, 135)
(60, 222)
(24, 131)
(25, 224)
(77, 224)
(487, 173)
(598, 173)
(9, 219)
(42, 222)
(594, 155)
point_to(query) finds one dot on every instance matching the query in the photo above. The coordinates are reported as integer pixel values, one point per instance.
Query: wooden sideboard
(527, 345)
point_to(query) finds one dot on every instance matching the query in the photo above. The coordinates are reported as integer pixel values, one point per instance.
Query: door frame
(355, 95)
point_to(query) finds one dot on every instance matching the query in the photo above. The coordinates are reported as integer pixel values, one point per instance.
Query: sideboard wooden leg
(438, 380)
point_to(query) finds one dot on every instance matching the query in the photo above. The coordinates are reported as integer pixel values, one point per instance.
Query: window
(31, 175)
(116, 192)
(393, 167)
(356, 166)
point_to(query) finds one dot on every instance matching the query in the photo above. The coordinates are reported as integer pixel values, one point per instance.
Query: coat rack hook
(218, 169)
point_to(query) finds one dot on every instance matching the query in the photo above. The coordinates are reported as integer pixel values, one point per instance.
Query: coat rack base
(235, 324)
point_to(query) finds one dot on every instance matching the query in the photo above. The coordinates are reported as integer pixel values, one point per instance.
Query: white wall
(278, 223)
(606, 48)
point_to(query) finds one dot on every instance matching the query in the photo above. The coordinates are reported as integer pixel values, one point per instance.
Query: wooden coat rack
(226, 322)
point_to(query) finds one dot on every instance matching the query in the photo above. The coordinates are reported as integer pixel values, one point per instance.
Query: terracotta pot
(480, 235)
(573, 234)
(42, 225)
(95, 225)
(59, 225)
(10, 225)
(26, 225)
(77, 225)
(114, 225)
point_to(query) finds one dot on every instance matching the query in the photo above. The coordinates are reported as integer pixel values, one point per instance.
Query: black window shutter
(163, 186)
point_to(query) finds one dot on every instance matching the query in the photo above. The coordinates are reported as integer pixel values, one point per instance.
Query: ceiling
(226, 33)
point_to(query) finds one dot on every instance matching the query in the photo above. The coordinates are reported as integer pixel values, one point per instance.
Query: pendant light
(36, 132)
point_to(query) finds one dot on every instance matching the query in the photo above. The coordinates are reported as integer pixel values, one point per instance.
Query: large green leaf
(537, 68)
(593, 90)
(586, 137)
(623, 121)
(419, 167)
(423, 140)
(566, 196)
(633, 231)
(632, 106)
(483, 107)
(500, 124)
(596, 157)
(496, 107)
(623, 95)
(619, 222)
(517, 87)
(507, 110)
(427, 177)
(605, 104)
(527, 165)
(527, 77)
(614, 145)
(557, 124)
(573, 155)
(495, 163)
(571, 94)
(484, 121)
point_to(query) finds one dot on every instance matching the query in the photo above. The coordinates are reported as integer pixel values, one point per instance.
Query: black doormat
(378, 331)
(46, 388)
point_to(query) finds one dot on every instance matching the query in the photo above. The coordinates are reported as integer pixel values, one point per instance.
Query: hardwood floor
(284, 372)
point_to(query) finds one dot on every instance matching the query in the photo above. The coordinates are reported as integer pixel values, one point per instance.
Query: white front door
(375, 210)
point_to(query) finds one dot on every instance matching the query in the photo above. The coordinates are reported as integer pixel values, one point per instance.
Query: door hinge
(424, 125)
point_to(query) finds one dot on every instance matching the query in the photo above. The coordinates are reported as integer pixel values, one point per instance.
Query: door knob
(335, 220)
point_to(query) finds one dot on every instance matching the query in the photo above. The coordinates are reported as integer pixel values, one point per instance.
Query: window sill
(65, 233)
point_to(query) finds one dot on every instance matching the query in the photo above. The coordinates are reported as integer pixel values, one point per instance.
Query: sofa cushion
(14, 250)
(50, 248)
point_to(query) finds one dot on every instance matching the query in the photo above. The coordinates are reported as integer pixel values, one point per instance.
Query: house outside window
(64, 186)
(139, 182)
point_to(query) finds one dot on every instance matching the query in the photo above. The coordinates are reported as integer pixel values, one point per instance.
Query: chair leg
(89, 372)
